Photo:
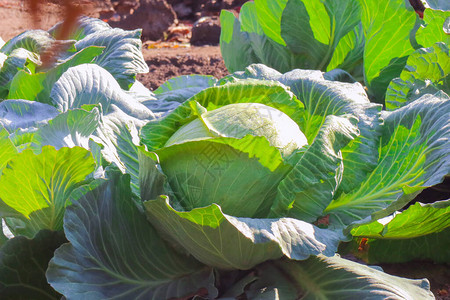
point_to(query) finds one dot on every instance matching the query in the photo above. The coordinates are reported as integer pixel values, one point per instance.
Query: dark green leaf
(23, 263)
(322, 277)
(232, 41)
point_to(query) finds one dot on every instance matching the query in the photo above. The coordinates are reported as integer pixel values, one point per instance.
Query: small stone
(206, 31)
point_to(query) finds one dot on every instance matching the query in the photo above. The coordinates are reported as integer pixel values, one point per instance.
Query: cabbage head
(228, 158)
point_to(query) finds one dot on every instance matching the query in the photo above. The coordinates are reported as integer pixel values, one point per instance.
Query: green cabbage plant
(370, 39)
(238, 188)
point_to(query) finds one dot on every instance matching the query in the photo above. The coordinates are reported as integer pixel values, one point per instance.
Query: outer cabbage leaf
(46, 181)
(436, 28)
(265, 33)
(69, 129)
(232, 41)
(266, 50)
(37, 86)
(427, 71)
(227, 242)
(418, 220)
(323, 97)
(307, 190)
(269, 14)
(119, 139)
(91, 84)
(438, 4)
(19, 59)
(387, 26)
(113, 246)
(413, 155)
(23, 263)
(314, 28)
(396, 238)
(159, 107)
(322, 277)
(272, 94)
(85, 26)
(155, 134)
(35, 41)
(263, 72)
(348, 53)
(181, 88)
(122, 56)
(140, 92)
(16, 114)
(433, 247)
(339, 75)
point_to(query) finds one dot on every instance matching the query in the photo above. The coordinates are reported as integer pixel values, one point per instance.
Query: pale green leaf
(269, 14)
(16, 114)
(119, 139)
(7, 148)
(418, 220)
(19, 59)
(211, 171)
(91, 84)
(85, 25)
(35, 41)
(348, 53)
(434, 30)
(156, 133)
(37, 86)
(69, 129)
(272, 94)
(387, 25)
(122, 56)
(323, 98)
(426, 72)
(264, 49)
(413, 155)
(46, 181)
(438, 4)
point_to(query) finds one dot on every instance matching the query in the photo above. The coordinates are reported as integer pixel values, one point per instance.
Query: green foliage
(242, 187)
(370, 39)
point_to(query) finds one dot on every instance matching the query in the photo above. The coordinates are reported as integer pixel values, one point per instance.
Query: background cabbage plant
(372, 40)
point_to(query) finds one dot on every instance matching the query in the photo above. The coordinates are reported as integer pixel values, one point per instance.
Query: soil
(167, 60)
